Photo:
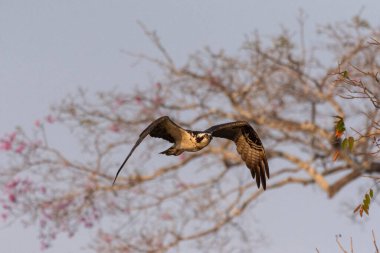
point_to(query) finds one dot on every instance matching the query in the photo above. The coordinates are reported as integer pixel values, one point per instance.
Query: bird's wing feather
(166, 129)
(248, 145)
(227, 130)
(162, 127)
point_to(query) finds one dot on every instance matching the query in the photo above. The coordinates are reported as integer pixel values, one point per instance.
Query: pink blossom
(120, 101)
(26, 182)
(20, 148)
(43, 223)
(138, 99)
(158, 100)
(44, 245)
(12, 184)
(181, 185)
(43, 189)
(44, 212)
(114, 128)
(63, 204)
(166, 216)
(88, 224)
(12, 198)
(146, 110)
(106, 238)
(37, 123)
(5, 145)
(158, 85)
(50, 119)
(6, 207)
(4, 216)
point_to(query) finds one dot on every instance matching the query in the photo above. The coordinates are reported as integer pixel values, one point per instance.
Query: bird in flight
(248, 143)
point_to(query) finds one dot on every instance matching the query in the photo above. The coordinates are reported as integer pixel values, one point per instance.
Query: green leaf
(345, 74)
(366, 210)
(351, 143)
(340, 126)
(344, 143)
(371, 193)
(366, 200)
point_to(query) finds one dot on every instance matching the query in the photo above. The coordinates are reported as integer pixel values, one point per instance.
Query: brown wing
(248, 145)
(163, 128)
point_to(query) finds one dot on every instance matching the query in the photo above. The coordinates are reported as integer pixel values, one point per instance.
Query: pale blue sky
(49, 48)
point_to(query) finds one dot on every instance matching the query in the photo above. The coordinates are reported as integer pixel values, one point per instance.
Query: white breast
(187, 143)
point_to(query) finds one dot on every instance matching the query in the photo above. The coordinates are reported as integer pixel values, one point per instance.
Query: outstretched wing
(248, 145)
(163, 128)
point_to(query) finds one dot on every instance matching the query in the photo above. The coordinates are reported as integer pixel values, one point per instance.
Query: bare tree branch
(286, 90)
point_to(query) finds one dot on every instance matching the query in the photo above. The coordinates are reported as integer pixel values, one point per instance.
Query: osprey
(248, 143)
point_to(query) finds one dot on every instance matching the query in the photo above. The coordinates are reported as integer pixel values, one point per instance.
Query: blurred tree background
(288, 91)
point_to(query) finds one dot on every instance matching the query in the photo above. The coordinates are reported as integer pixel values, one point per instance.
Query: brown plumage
(248, 143)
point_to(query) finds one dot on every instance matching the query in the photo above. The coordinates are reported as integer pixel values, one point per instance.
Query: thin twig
(351, 245)
(374, 242)
(340, 245)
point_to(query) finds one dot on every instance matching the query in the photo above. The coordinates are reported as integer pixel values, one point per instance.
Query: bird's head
(203, 138)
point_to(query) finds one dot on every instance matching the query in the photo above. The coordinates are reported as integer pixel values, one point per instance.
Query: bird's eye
(200, 138)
